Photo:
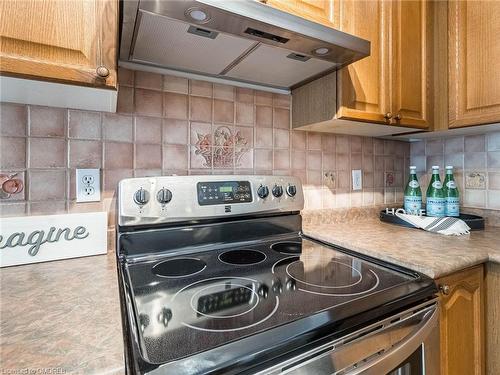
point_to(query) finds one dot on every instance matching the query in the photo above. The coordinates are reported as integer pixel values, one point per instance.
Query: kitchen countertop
(432, 254)
(61, 316)
(65, 315)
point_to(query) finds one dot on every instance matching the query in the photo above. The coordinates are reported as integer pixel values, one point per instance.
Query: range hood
(237, 40)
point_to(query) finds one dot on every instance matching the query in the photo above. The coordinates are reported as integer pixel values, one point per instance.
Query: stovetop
(195, 301)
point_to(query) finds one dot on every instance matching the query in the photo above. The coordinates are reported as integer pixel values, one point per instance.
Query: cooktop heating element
(211, 282)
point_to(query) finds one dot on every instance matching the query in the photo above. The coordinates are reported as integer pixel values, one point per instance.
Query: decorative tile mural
(223, 148)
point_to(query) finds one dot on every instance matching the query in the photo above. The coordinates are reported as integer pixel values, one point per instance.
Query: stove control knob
(263, 291)
(277, 191)
(164, 196)
(291, 284)
(263, 191)
(141, 197)
(277, 286)
(165, 316)
(291, 190)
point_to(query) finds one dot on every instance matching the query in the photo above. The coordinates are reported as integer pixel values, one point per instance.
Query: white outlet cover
(357, 179)
(88, 185)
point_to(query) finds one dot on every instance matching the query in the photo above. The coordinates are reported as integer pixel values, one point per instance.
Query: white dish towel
(449, 226)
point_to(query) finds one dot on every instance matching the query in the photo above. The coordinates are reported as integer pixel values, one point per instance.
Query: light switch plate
(357, 183)
(88, 185)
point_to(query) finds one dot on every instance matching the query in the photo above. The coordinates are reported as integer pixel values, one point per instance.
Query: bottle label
(451, 185)
(437, 185)
(413, 184)
(436, 207)
(413, 204)
(452, 206)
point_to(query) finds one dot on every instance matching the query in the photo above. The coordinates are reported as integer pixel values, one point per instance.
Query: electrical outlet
(88, 185)
(357, 183)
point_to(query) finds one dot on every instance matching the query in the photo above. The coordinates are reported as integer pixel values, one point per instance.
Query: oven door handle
(390, 359)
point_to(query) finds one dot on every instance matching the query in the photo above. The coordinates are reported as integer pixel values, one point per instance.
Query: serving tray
(473, 221)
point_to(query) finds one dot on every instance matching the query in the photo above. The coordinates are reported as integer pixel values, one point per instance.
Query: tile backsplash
(476, 160)
(168, 125)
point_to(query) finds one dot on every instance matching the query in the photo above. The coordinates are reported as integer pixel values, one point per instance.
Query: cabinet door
(474, 62)
(462, 323)
(411, 61)
(320, 11)
(62, 41)
(364, 89)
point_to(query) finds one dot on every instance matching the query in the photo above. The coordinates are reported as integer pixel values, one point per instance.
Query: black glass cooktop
(192, 304)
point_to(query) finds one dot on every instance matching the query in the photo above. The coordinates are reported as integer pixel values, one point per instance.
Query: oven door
(404, 344)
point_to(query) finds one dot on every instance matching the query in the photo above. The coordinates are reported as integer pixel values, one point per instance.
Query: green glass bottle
(451, 193)
(413, 194)
(436, 201)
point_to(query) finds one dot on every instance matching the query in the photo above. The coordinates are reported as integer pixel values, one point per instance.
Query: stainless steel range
(216, 277)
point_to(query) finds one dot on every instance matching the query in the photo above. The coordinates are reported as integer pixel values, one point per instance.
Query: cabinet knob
(102, 71)
(388, 116)
(445, 289)
(398, 117)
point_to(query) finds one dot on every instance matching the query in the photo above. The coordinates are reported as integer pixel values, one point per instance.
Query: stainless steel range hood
(237, 40)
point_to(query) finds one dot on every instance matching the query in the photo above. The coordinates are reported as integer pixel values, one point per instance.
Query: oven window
(411, 365)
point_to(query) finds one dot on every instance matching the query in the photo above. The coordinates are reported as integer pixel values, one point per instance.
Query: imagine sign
(33, 239)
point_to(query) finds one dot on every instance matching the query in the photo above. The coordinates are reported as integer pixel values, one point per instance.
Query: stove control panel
(167, 199)
(218, 192)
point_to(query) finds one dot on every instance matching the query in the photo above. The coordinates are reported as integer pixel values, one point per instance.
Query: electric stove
(217, 277)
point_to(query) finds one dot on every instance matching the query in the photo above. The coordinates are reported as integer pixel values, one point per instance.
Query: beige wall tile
(12, 153)
(246, 133)
(356, 144)
(263, 159)
(328, 143)
(200, 130)
(118, 128)
(126, 77)
(148, 156)
(244, 95)
(378, 146)
(493, 141)
(453, 145)
(298, 140)
(175, 105)
(148, 102)
(313, 141)
(175, 84)
(328, 161)
(125, 102)
(175, 132)
(342, 162)
(111, 179)
(200, 88)
(281, 138)
(263, 98)
(13, 119)
(298, 160)
(263, 116)
(47, 121)
(118, 155)
(342, 144)
(48, 208)
(494, 180)
(223, 111)
(494, 199)
(84, 124)
(201, 109)
(47, 153)
(475, 143)
(224, 92)
(175, 157)
(47, 184)
(474, 198)
(494, 159)
(13, 209)
(475, 160)
(356, 161)
(281, 159)
(148, 80)
(148, 129)
(281, 100)
(313, 159)
(434, 147)
(244, 114)
(263, 137)
(281, 118)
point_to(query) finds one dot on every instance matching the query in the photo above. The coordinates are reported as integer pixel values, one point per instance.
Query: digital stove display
(226, 299)
(224, 192)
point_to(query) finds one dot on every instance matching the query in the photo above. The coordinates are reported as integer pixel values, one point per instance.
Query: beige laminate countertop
(61, 316)
(432, 254)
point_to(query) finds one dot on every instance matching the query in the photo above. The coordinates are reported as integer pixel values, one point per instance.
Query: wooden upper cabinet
(462, 323)
(62, 41)
(320, 11)
(474, 62)
(411, 55)
(363, 87)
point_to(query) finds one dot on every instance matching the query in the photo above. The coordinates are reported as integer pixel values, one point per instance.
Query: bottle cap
(435, 167)
(413, 167)
(449, 167)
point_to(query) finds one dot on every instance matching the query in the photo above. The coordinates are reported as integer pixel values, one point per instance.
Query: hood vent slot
(264, 35)
(202, 32)
(298, 57)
